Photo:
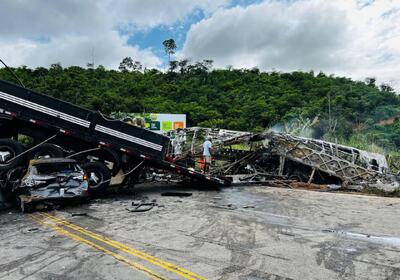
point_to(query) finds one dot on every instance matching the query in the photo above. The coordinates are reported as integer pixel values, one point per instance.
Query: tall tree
(169, 47)
(126, 64)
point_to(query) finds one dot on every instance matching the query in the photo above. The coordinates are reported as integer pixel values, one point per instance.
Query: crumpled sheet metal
(343, 162)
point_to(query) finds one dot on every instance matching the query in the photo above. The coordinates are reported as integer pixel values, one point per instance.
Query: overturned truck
(34, 125)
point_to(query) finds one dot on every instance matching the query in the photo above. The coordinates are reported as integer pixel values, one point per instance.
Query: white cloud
(39, 32)
(150, 13)
(37, 18)
(107, 50)
(354, 38)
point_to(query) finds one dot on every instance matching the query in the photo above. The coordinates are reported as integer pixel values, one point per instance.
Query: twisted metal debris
(269, 156)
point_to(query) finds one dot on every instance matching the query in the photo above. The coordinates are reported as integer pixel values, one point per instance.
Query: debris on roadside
(227, 207)
(179, 194)
(140, 206)
(333, 187)
(78, 214)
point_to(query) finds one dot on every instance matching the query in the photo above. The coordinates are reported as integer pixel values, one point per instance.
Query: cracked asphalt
(250, 232)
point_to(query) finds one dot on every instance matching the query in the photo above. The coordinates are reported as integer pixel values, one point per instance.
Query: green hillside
(241, 99)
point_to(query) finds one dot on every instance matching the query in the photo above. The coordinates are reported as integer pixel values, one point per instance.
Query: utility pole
(93, 57)
(91, 64)
(329, 109)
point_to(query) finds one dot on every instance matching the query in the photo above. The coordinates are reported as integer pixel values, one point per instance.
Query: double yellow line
(61, 226)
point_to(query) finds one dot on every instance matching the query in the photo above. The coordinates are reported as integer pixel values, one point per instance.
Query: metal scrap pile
(283, 159)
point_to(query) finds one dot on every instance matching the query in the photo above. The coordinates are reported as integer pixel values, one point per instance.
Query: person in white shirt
(207, 149)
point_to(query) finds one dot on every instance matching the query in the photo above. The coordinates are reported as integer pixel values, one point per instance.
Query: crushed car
(51, 181)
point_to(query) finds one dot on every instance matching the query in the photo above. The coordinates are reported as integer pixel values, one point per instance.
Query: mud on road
(250, 232)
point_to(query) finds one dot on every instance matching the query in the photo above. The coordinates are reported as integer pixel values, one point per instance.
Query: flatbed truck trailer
(56, 128)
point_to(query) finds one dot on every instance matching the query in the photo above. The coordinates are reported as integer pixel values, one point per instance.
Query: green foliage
(240, 99)
(360, 141)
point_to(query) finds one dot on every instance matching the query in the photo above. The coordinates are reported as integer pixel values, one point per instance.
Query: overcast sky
(355, 38)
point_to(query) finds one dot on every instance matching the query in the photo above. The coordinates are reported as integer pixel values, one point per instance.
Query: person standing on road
(207, 149)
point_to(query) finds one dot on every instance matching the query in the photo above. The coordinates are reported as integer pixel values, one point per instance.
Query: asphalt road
(234, 233)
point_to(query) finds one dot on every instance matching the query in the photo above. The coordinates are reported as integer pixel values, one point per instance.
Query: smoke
(303, 127)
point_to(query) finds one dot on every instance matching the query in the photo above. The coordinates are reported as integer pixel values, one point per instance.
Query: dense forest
(335, 108)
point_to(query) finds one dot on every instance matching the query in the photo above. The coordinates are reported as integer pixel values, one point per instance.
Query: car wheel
(99, 176)
(9, 149)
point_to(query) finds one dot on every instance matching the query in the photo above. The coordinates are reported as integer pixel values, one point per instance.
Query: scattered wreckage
(280, 159)
(34, 126)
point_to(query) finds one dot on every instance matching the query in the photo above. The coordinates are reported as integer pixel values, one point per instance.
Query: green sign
(166, 126)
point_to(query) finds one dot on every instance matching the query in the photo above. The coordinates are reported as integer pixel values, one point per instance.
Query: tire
(106, 154)
(46, 150)
(298, 176)
(8, 150)
(98, 173)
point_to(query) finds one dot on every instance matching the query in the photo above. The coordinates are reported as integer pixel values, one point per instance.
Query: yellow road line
(127, 249)
(75, 237)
